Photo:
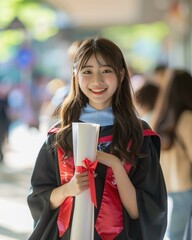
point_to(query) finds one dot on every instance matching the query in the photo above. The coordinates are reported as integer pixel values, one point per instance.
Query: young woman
(175, 128)
(130, 190)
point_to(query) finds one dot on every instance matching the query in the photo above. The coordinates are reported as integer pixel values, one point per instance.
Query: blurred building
(100, 14)
(168, 40)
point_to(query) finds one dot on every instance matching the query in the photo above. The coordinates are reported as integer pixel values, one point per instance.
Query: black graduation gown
(147, 179)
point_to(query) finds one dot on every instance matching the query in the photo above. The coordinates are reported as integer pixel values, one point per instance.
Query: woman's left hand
(107, 159)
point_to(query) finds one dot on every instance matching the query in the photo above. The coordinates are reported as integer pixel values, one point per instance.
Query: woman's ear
(122, 73)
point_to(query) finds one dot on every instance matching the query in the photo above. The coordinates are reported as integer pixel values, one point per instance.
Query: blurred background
(35, 36)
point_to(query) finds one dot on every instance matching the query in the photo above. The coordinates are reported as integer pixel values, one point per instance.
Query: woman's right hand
(77, 184)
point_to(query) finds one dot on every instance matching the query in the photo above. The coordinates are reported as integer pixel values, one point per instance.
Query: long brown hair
(126, 124)
(178, 98)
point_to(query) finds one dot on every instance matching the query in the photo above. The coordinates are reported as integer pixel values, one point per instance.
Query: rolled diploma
(85, 139)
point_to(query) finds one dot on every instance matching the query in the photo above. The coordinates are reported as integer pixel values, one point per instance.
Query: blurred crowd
(29, 102)
(164, 100)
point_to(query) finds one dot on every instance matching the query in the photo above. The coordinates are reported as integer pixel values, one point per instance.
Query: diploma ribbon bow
(90, 167)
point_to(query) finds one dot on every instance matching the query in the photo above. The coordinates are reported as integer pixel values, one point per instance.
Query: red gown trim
(109, 227)
(105, 139)
(66, 171)
(149, 132)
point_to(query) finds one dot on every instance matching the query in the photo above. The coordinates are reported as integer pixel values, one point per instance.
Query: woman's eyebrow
(105, 65)
(100, 65)
(87, 66)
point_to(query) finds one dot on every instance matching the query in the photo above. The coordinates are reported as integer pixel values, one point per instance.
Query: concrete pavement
(20, 154)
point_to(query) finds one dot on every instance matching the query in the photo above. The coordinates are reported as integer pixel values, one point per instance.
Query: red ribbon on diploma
(90, 167)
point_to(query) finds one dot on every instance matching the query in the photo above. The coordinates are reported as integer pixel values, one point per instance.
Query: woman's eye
(86, 72)
(108, 71)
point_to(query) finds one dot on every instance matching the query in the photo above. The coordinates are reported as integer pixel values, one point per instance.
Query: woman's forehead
(99, 59)
(96, 57)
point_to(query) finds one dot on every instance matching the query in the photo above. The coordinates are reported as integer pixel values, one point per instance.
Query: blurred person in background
(59, 89)
(160, 77)
(174, 125)
(4, 119)
(137, 81)
(145, 100)
(160, 74)
(26, 101)
(62, 92)
(37, 95)
(17, 104)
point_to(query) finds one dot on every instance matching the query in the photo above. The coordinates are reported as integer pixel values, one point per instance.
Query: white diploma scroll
(85, 139)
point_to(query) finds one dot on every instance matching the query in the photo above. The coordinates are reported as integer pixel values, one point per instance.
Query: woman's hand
(125, 187)
(77, 184)
(107, 159)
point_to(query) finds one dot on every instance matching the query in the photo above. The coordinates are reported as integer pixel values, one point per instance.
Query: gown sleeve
(150, 191)
(43, 181)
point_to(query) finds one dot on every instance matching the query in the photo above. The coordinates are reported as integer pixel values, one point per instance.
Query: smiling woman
(127, 173)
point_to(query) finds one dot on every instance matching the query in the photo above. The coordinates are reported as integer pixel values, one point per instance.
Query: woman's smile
(98, 91)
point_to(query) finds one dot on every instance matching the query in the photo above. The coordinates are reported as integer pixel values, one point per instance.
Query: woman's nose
(98, 77)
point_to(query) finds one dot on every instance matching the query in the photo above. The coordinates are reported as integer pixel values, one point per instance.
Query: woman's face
(98, 82)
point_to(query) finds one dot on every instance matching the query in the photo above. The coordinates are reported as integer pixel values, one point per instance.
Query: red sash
(109, 222)
(66, 170)
(107, 227)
